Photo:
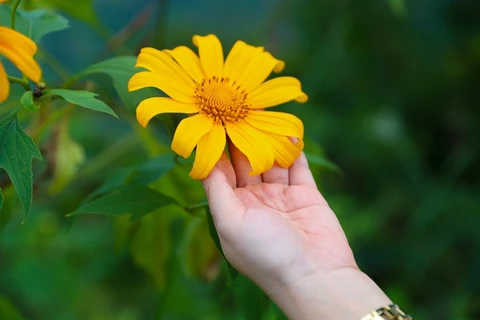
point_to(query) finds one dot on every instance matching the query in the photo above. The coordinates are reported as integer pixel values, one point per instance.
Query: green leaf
(68, 157)
(120, 69)
(81, 98)
(36, 23)
(317, 160)
(144, 174)
(17, 150)
(136, 200)
(27, 101)
(233, 273)
(1, 198)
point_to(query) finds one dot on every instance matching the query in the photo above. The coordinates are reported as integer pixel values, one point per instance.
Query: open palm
(277, 226)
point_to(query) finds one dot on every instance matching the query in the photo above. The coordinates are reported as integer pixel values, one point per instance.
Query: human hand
(279, 231)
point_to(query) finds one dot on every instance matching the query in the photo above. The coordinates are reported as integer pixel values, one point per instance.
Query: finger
(222, 199)
(219, 186)
(276, 175)
(224, 166)
(300, 173)
(242, 168)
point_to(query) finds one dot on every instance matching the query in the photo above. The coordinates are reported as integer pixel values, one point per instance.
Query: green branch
(22, 82)
(200, 205)
(14, 13)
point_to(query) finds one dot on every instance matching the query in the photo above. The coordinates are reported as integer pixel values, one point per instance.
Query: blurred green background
(394, 89)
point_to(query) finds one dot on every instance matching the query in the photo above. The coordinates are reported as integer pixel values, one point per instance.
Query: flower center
(221, 100)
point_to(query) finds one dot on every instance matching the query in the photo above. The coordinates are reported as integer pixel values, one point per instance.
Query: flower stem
(22, 82)
(196, 206)
(14, 13)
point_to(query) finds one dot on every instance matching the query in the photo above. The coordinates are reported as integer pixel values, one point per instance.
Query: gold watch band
(390, 312)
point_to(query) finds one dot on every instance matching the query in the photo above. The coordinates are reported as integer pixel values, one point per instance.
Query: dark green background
(394, 91)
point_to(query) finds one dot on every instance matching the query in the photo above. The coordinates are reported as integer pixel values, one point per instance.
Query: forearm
(342, 294)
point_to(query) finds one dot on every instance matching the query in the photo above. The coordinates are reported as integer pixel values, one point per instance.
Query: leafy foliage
(82, 98)
(136, 200)
(36, 23)
(16, 153)
(120, 69)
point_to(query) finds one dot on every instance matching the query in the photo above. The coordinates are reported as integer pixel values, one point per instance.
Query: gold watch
(390, 312)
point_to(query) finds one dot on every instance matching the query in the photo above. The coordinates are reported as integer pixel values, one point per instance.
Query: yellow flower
(224, 98)
(20, 50)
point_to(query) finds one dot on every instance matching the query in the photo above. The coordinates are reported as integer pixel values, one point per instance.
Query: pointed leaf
(136, 200)
(81, 98)
(321, 161)
(17, 150)
(120, 69)
(36, 23)
(144, 174)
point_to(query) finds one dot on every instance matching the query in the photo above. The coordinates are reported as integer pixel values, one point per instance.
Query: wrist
(345, 293)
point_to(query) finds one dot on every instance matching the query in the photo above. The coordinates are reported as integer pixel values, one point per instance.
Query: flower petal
(21, 41)
(276, 91)
(161, 63)
(209, 150)
(211, 54)
(189, 132)
(253, 144)
(146, 79)
(4, 84)
(258, 70)
(238, 59)
(172, 79)
(286, 151)
(19, 49)
(189, 61)
(281, 123)
(149, 108)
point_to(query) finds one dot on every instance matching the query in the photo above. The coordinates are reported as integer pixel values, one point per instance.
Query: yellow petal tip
(142, 122)
(279, 66)
(302, 98)
(195, 176)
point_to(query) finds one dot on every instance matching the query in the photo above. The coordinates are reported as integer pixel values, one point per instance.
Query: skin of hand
(278, 230)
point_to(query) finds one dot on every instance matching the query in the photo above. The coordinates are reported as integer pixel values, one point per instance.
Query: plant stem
(14, 13)
(22, 82)
(196, 206)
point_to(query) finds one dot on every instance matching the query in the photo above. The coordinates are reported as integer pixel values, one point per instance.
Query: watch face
(391, 312)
